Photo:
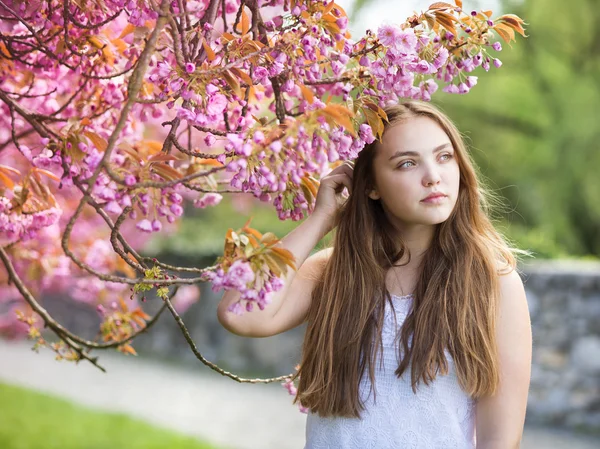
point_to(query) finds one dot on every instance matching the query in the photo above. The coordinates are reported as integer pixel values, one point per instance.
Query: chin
(433, 220)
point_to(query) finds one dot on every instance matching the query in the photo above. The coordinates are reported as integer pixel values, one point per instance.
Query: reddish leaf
(98, 141)
(123, 305)
(505, 32)
(242, 75)
(307, 93)
(228, 37)
(514, 22)
(285, 256)
(166, 171)
(245, 23)
(232, 82)
(446, 20)
(162, 157)
(129, 28)
(7, 170)
(128, 349)
(210, 54)
(341, 116)
(47, 173)
(6, 181)
(440, 5)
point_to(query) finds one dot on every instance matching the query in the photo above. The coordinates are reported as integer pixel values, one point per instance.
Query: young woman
(418, 330)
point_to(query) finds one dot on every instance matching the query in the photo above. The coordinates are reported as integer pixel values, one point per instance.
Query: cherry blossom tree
(115, 112)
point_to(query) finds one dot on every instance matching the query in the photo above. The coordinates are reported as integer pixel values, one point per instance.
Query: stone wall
(564, 301)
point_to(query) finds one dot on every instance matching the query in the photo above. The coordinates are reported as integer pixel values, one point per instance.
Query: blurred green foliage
(533, 127)
(30, 420)
(202, 232)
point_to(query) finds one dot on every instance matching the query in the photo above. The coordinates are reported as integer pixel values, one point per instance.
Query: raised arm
(289, 306)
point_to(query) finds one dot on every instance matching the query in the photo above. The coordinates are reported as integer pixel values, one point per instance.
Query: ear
(374, 194)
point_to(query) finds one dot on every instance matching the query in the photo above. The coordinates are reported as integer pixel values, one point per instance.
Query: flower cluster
(253, 289)
(23, 227)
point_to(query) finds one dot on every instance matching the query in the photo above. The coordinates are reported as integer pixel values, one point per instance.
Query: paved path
(202, 403)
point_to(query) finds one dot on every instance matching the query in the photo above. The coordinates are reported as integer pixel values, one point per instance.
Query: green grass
(31, 420)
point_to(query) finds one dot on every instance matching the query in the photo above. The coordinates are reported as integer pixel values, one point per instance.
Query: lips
(434, 195)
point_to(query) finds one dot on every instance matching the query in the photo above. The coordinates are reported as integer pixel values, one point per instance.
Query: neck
(417, 239)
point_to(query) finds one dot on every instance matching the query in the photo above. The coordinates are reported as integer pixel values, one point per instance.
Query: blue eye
(403, 164)
(447, 154)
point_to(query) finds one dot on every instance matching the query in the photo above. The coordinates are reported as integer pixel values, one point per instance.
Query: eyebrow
(414, 153)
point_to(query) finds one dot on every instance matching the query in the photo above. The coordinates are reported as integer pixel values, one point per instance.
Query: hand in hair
(329, 197)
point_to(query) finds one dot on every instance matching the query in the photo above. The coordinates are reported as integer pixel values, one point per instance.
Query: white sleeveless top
(439, 416)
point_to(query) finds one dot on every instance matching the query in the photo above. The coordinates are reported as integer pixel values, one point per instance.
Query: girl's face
(414, 160)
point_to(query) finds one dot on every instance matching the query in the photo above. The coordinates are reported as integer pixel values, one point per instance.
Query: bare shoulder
(514, 323)
(510, 278)
(511, 285)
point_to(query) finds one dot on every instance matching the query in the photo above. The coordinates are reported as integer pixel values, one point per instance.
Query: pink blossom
(441, 58)
(275, 146)
(208, 199)
(185, 297)
(164, 69)
(471, 81)
(422, 67)
(176, 209)
(209, 140)
(407, 42)
(144, 225)
(216, 104)
(175, 198)
(186, 114)
(259, 137)
(450, 88)
(240, 273)
(388, 35)
(211, 89)
(260, 73)
(366, 133)
(130, 180)
(176, 84)
(113, 207)
(364, 61)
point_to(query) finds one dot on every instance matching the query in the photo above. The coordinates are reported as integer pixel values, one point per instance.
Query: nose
(431, 176)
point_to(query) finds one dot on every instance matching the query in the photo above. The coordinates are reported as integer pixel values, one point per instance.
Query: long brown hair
(454, 303)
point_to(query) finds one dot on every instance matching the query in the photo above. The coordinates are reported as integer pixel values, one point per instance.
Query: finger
(344, 183)
(349, 169)
(342, 169)
(336, 179)
(345, 167)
